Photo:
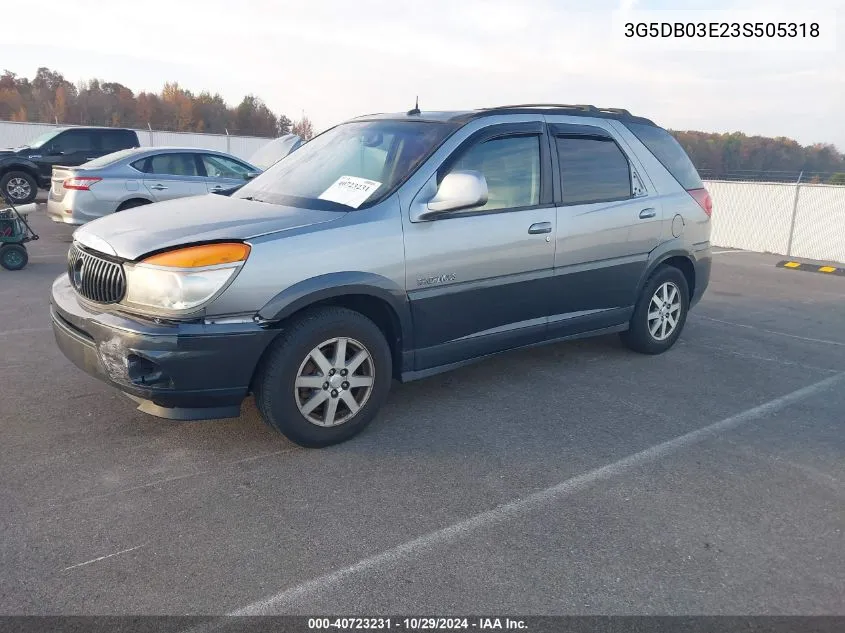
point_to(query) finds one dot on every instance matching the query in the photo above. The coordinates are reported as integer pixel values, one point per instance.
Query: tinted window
(113, 140)
(669, 152)
(171, 165)
(222, 167)
(511, 166)
(592, 170)
(73, 141)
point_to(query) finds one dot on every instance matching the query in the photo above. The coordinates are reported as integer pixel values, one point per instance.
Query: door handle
(158, 187)
(647, 213)
(540, 227)
(217, 187)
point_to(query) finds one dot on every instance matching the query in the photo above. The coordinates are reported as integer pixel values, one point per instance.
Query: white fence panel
(180, 139)
(752, 216)
(13, 134)
(245, 146)
(820, 223)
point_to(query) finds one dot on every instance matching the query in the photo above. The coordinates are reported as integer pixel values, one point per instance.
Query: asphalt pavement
(577, 478)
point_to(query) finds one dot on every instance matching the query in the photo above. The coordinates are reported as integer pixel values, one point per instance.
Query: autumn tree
(303, 128)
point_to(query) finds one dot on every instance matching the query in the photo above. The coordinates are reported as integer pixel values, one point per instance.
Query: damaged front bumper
(179, 371)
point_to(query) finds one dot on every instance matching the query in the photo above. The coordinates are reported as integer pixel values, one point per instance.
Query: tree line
(50, 98)
(735, 154)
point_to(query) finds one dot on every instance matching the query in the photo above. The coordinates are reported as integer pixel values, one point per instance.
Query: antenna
(416, 109)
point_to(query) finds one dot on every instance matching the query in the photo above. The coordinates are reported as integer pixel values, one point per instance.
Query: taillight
(80, 183)
(702, 197)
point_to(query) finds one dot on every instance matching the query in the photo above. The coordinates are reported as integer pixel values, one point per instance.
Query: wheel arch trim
(333, 285)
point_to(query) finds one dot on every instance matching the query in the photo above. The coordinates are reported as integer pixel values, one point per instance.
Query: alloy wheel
(664, 311)
(334, 381)
(18, 188)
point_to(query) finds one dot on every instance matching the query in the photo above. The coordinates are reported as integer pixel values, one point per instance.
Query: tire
(20, 186)
(13, 256)
(648, 336)
(285, 407)
(131, 204)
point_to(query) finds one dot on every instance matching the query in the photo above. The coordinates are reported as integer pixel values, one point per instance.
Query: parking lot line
(291, 596)
(754, 327)
(94, 560)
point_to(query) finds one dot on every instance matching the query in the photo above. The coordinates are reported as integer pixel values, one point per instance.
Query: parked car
(390, 246)
(135, 177)
(24, 170)
(275, 150)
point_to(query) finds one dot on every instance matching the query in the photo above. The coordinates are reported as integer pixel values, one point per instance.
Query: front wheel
(660, 313)
(325, 377)
(19, 187)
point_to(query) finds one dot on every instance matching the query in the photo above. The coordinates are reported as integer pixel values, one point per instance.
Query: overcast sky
(334, 59)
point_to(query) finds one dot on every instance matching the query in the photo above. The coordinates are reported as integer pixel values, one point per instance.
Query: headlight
(183, 278)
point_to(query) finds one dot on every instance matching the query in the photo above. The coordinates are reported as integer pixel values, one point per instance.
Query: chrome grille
(95, 278)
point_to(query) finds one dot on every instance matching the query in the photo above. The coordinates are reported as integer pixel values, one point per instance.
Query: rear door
(223, 172)
(116, 140)
(172, 175)
(608, 222)
(476, 278)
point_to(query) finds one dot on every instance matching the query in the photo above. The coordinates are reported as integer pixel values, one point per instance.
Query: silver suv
(389, 247)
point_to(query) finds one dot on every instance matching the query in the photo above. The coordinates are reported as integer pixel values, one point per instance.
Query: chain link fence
(797, 219)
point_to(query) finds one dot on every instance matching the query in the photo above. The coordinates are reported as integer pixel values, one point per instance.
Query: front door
(173, 175)
(223, 172)
(476, 278)
(70, 148)
(607, 225)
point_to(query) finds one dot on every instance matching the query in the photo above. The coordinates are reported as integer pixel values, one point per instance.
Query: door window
(511, 166)
(73, 141)
(171, 165)
(222, 167)
(592, 170)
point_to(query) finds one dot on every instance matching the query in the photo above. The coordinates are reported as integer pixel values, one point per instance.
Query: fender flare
(310, 291)
(657, 257)
(17, 163)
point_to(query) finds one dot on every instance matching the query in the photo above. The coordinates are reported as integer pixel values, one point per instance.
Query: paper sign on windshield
(350, 190)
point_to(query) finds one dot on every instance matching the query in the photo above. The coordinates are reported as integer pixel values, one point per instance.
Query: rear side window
(592, 170)
(669, 152)
(113, 140)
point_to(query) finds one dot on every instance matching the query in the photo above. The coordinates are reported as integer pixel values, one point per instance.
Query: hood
(135, 232)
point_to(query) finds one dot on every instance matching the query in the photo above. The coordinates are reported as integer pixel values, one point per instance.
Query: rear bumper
(187, 371)
(77, 207)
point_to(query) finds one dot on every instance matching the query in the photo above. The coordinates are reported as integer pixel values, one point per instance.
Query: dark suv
(24, 169)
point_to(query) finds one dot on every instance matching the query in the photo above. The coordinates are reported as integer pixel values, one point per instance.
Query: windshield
(43, 138)
(108, 159)
(352, 165)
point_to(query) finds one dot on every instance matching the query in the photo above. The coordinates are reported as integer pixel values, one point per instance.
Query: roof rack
(564, 106)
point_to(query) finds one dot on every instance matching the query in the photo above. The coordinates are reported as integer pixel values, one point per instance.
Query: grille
(95, 278)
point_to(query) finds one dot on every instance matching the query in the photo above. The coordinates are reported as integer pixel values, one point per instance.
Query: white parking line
(294, 596)
(94, 560)
(734, 251)
(754, 327)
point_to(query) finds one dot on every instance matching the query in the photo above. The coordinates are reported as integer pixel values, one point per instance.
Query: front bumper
(184, 371)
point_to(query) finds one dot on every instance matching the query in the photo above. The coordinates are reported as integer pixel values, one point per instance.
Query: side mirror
(251, 174)
(458, 190)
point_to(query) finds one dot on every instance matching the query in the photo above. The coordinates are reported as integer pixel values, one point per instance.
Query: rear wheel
(131, 204)
(13, 256)
(325, 377)
(19, 187)
(660, 313)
